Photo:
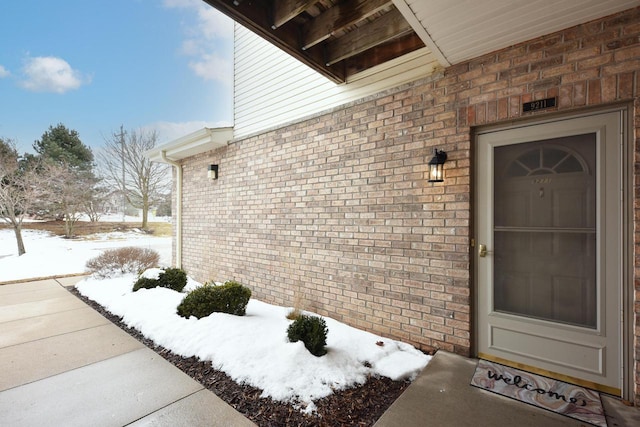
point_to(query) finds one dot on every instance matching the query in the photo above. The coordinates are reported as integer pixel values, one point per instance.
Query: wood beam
(285, 10)
(254, 16)
(339, 17)
(383, 53)
(389, 26)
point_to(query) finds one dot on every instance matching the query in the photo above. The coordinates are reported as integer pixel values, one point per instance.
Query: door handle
(482, 251)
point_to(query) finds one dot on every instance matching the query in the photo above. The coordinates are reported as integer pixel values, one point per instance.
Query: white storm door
(549, 249)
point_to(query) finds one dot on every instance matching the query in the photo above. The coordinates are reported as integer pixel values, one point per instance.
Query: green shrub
(231, 298)
(145, 283)
(312, 331)
(172, 278)
(122, 260)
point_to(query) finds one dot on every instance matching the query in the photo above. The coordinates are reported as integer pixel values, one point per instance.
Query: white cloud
(4, 72)
(213, 67)
(210, 24)
(168, 131)
(214, 24)
(51, 74)
(210, 27)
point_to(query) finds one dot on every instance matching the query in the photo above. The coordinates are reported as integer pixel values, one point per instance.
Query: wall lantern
(212, 172)
(436, 166)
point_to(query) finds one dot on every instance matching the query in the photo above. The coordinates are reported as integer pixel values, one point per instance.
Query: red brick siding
(338, 206)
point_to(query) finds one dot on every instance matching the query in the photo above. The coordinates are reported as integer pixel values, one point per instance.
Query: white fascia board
(421, 31)
(200, 141)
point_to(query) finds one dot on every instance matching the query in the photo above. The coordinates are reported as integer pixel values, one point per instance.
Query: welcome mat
(565, 399)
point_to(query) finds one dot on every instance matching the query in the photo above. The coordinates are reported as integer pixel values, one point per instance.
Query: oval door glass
(545, 230)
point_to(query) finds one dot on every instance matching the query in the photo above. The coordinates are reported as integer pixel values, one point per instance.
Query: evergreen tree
(68, 165)
(64, 147)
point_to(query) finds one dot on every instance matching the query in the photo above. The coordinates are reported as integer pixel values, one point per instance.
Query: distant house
(525, 251)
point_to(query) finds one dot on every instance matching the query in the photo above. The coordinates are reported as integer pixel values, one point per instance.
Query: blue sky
(94, 65)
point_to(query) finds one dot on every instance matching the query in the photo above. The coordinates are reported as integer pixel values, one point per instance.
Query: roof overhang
(200, 141)
(341, 38)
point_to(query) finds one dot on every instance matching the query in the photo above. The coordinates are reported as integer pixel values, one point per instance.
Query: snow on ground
(254, 349)
(251, 349)
(50, 255)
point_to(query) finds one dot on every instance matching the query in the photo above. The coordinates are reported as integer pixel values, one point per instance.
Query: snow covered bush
(122, 261)
(231, 298)
(312, 331)
(172, 278)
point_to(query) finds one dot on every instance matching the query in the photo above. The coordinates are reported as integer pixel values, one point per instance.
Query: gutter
(198, 142)
(178, 167)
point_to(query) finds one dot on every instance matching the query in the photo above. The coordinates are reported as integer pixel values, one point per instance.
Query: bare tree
(69, 192)
(124, 164)
(98, 203)
(19, 189)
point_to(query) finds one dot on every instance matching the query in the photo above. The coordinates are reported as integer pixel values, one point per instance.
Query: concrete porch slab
(113, 392)
(49, 325)
(11, 288)
(39, 308)
(442, 396)
(46, 357)
(201, 409)
(51, 292)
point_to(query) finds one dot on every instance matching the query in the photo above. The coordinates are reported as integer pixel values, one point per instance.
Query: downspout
(178, 167)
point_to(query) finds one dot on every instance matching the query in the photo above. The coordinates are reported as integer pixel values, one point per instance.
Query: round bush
(312, 331)
(123, 260)
(145, 283)
(231, 298)
(172, 278)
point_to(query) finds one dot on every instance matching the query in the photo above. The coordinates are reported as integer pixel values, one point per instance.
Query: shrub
(231, 298)
(172, 278)
(122, 260)
(145, 283)
(312, 331)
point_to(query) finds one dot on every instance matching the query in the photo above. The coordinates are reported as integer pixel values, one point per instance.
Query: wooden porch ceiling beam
(339, 17)
(388, 27)
(383, 53)
(256, 19)
(286, 10)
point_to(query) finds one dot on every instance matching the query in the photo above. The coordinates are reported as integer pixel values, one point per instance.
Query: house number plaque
(540, 104)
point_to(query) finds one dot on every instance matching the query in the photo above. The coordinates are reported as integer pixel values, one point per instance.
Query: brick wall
(337, 209)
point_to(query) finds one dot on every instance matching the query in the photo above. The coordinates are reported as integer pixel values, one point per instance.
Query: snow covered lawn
(50, 255)
(254, 349)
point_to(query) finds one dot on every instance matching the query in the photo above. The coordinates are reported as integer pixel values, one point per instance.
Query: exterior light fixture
(212, 172)
(436, 166)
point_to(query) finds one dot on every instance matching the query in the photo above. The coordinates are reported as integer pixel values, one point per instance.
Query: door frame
(627, 238)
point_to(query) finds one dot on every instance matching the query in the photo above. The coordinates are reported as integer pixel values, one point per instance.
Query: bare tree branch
(144, 182)
(19, 189)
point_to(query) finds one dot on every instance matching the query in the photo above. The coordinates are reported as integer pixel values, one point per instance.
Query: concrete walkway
(63, 364)
(442, 396)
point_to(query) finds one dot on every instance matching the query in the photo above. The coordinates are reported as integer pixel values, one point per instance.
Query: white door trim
(626, 245)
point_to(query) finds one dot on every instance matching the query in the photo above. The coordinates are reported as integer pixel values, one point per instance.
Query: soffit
(200, 141)
(457, 31)
(341, 38)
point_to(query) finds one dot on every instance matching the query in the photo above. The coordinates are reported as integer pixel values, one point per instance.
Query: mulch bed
(358, 406)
